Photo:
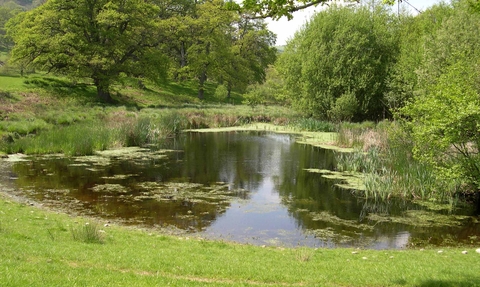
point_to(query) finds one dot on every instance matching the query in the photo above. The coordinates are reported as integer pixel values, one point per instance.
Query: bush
(221, 92)
(344, 109)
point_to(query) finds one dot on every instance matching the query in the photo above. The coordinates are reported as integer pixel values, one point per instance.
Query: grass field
(39, 249)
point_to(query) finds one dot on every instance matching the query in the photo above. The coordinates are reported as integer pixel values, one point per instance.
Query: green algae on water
(349, 180)
(110, 188)
(421, 218)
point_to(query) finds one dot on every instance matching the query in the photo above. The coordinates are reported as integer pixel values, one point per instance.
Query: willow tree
(336, 67)
(96, 39)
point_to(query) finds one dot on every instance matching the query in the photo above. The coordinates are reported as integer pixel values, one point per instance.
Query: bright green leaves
(277, 8)
(444, 118)
(445, 124)
(282, 8)
(341, 52)
(98, 39)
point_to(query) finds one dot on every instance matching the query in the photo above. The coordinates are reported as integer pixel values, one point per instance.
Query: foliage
(252, 53)
(208, 41)
(97, 39)
(221, 92)
(279, 8)
(413, 32)
(383, 154)
(271, 91)
(344, 108)
(445, 124)
(342, 51)
(444, 117)
(6, 13)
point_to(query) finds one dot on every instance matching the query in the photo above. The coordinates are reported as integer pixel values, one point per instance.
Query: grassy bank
(42, 248)
(41, 114)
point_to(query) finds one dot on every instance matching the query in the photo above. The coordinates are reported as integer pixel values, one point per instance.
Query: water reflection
(248, 187)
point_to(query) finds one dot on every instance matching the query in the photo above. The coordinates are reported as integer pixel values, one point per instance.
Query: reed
(384, 154)
(87, 233)
(81, 139)
(313, 125)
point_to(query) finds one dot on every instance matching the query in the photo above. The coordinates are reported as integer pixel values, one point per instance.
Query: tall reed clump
(313, 125)
(116, 130)
(384, 155)
(152, 128)
(79, 139)
(87, 233)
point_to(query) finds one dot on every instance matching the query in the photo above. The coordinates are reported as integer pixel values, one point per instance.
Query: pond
(248, 187)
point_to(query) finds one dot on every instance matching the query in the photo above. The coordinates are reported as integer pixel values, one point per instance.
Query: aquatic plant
(81, 139)
(313, 125)
(384, 154)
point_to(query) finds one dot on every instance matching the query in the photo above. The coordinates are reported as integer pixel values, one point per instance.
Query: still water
(247, 187)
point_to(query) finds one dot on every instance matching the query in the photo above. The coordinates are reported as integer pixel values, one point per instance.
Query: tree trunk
(183, 56)
(229, 89)
(103, 90)
(201, 85)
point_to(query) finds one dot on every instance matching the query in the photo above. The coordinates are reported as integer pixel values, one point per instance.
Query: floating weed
(348, 180)
(110, 188)
(333, 219)
(87, 233)
(329, 234)
(421, 218)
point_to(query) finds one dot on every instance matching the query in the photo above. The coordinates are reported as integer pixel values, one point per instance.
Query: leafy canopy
(339, 62)
(444, 118)
(97, 39)
(282, 8)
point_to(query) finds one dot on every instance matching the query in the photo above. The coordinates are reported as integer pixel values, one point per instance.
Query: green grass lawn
(38, 249)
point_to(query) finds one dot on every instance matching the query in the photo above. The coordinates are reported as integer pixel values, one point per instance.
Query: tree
(97, 39)
(342, 51)
(206, 41)
(6, 13)
(282, 8)
(177, 17)
(444, 118)
(413, 33)
(251, 52)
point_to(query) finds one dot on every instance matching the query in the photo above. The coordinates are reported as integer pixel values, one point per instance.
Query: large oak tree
(96, 39)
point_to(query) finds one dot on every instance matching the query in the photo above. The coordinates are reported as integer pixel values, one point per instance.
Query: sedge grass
(131, 257)
(384, 154)
(75, 140)
(87, 233)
